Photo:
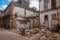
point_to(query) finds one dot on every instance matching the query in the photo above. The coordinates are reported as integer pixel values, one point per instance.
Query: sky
(34, 3)
(5, 3)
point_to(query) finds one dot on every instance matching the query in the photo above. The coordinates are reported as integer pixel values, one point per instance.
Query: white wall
(49, 16)
(29, 13)
(19, 11)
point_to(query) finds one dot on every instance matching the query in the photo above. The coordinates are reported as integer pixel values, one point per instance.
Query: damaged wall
(49, 13)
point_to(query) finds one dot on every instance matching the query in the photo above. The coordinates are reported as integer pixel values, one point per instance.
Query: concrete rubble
(39, 34)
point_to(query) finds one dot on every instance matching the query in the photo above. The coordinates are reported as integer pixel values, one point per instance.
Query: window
(45, 4)
(53, 4)
(46, 17)
(54, 17)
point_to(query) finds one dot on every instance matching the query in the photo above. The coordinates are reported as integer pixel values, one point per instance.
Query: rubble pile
(41, 34)
(38, 34)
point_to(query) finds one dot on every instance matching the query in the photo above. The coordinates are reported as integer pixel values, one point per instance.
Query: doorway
(46, 21)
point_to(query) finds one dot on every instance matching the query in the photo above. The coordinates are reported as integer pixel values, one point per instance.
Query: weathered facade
(18, 16)
(48, 12)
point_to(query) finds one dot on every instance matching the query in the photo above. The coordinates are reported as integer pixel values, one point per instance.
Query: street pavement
(6, 35)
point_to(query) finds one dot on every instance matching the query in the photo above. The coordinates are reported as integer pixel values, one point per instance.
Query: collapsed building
(18, 15)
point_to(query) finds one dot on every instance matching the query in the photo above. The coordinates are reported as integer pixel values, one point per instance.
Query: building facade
(49, 13)
(18, 16)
